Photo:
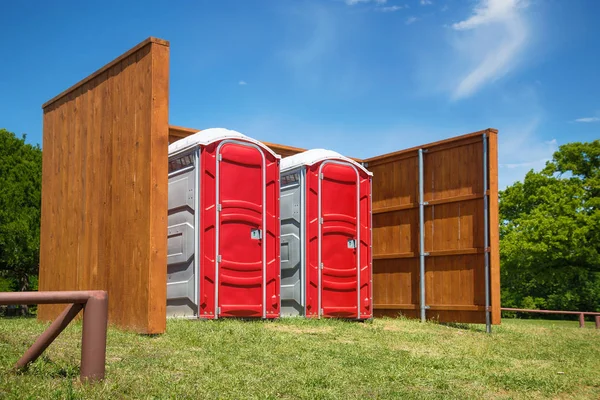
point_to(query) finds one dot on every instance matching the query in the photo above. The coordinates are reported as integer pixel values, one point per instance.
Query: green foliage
(550, 233)
(20, 198)
(5, 284)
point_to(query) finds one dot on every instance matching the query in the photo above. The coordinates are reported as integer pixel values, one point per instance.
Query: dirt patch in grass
(300, 329)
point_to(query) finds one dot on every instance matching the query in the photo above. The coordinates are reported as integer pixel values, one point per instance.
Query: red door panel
(339, 240)
(240, 224)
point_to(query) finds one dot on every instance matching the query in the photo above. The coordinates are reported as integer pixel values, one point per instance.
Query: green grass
(308, 359)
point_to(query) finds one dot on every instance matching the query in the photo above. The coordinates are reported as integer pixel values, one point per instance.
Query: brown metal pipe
(47, 297)
(549, 311)
(49, 335)
(93, 341)
(95, 320)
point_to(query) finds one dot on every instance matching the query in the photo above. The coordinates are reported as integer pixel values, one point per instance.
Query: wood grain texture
(104, 188)
(454, 230)
(494, 227)
(104, 203)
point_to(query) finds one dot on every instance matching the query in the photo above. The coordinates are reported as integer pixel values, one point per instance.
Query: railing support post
(42, 343)
(93, 341)
(95, 321)
(597, 321)
(582, 320)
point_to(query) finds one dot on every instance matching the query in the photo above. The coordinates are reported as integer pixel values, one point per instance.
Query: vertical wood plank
(104, 177)
(494, 226)
(452, 168)
(157, 280)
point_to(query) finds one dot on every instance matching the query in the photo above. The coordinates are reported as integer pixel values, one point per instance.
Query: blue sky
(362, 77)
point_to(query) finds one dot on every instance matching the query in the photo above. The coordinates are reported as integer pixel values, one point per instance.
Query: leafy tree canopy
(20, 198)
(550, 233)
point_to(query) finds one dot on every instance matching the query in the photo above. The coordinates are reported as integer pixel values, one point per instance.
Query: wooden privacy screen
(104, 188)
(453, 173)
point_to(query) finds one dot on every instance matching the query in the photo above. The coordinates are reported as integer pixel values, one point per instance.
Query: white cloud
(498, 34)
(242, 83)
(307, 52)
(354, 2)
(426, 2)
(445, 8)
(490, 11)
(310, 53)
(390, 8)
(588, 119)
(411, 20)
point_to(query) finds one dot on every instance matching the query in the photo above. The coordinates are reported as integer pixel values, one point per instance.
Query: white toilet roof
(208, 136)
(313, 156)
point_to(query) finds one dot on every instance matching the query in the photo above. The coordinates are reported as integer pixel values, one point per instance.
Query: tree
(20, 198)
(550, 233)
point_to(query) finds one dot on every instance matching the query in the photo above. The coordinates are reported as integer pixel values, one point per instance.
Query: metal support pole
(51, 333)
(95, 320)
(197, 190)
(486, 233)
(93, 341)
(421, 239)
(582, 320)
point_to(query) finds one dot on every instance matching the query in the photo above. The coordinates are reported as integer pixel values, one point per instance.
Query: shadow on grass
(47, 368)
(463, 326)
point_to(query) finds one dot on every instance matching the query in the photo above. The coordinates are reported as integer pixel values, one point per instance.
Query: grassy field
(309, 359)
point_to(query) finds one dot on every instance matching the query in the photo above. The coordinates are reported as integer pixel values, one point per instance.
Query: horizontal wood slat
(441, 307)
(392, 256)
(395, 208)
(435, 202)
(441, 145)
(453, 229)
(439, 253)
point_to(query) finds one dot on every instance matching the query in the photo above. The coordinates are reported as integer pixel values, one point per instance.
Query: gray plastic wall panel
(292, 261)
(180, 250)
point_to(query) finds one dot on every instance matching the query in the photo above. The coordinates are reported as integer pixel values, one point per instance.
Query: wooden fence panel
(104, 188)
(453, 230)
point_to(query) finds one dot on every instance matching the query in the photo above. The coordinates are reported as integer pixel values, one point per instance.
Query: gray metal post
(422, 239)
(486, 233)
(197, 228)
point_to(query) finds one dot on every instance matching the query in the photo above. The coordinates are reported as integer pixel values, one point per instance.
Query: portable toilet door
(223, 239)
(326, 255)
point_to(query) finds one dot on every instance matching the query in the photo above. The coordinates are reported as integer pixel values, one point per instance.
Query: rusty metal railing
(581, 314)
(95, 318)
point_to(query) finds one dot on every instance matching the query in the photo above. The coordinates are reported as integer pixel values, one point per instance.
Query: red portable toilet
(326, 255)
(223, 236)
